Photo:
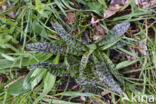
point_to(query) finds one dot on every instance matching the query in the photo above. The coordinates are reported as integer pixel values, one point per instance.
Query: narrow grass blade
(154, 59)
(121, 43)
(75, 94)
(54, 101)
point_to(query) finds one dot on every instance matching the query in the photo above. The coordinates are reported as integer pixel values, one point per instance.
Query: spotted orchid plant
(94, 70)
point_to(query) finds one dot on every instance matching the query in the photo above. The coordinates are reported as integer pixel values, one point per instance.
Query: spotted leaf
(53, 48)
(114, 35)
(68, 37)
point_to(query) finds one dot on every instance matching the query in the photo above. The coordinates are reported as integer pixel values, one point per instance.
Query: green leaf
(125, 64)
(17, 88)
(61, 6)
(36, 57)
(154, 59)
(49, 82)
(7, 57)
(54, 101)
(25, 62)
(36, 77)
(36, 27)
(26, 82)
(121, 43)
(75, 94)
(96, 7)
(42, 8)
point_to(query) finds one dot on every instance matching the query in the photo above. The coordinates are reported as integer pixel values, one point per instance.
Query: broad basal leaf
(55, 69)
(104, 75)
(85, 57)
(114, 35)
(26, 81)
(36, 77)
(68, 37)
(53, 48)
(111, 67)
(88, 84)
(83, 63)
(120, 29)
(17, 88)
(49, 82)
